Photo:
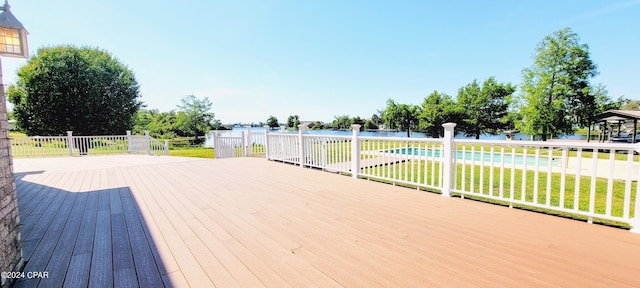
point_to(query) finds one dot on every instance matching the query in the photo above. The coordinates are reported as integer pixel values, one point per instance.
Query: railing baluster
(592, 192)
(536, 178)
(512, 183)
(502, 162)
(549, 175)
(525, 157)
(563, 176)
(612, 164)
(576, 191)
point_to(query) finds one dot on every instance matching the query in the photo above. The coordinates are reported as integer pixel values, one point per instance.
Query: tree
(484, 109)
(84, 90)
(402, 116)
(437, 109)
(342, 122)
(376, 118)
(293, 121)
(373, 122)
(273, 122)
(195, 115)
(555, 89)
(370, 125)
(630, 105)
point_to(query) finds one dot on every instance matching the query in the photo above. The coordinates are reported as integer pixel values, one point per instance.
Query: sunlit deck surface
(247, 222)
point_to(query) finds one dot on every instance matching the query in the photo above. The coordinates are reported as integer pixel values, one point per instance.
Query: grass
(193, 152)
(14, 134)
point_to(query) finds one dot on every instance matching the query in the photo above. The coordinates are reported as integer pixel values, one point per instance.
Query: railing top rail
(39, 137)
(588, 145)
(284, 134)
(326, 136)
(400, 139)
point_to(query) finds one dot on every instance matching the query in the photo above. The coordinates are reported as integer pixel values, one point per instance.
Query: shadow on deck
(95, 238)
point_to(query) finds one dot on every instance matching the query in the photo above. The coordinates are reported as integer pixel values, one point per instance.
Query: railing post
(635, 222)
(355, 151)
(323, 153)
(249, 146)
(70, 142)
(216, 153)
(266, 142)
(447, 160)
(166, 147)
(302, 129)
(129, 144)
(242, 142)
(147, 139)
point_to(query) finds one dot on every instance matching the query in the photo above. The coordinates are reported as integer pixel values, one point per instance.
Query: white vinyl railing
(592, 180)
(595, 180)
(229, 146)
(283, 147)
(408, 161)
(234, 143)
(45, 146)
(257, 142)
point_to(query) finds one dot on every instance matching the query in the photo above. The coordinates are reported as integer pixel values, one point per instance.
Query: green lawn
(193, 152)
(14, 134)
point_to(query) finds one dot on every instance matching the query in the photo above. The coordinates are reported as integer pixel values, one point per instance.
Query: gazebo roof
(617, 115)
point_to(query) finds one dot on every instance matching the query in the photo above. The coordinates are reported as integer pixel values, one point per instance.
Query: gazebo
(611, 117)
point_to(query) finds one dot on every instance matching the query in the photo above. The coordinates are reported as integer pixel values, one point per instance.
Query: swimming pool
(480, 156)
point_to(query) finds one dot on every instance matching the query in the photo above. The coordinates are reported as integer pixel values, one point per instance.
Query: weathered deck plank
(178, 222)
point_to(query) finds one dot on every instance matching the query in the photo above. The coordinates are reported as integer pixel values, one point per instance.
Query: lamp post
(13, 43)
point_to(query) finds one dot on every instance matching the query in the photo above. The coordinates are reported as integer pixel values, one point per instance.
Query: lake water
(518, 136)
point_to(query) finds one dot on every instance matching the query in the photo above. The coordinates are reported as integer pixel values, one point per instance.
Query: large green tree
(401, 116)
(484, 109)
(197, 117)
(341, 122)
(437, 108)
(555, 89)
(84, 90)
(293, 121)
(272, 121)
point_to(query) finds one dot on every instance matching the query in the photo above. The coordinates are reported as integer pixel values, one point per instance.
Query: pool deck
(153, 221)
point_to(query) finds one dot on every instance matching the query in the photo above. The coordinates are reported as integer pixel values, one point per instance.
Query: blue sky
(320, 59)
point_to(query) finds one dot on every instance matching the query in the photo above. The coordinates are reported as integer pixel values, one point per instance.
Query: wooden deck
(152, 221)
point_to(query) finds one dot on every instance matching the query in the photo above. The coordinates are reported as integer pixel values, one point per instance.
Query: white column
(147, 139)
(243, 144)
(447, 160)
(266, 141)
(166, 147)
(355, 151)
(216, 153)
(635, 222)
(248, 142)
(302, 129)
(129, 141)
(70, 142)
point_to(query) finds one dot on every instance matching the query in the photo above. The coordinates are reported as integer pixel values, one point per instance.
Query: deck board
(151, 221)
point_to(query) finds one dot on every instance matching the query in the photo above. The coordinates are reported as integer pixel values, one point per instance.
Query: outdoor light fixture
(13, 36)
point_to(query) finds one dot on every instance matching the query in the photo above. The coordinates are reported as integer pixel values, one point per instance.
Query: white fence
(233, 143)
(592, 180)
(44, 146)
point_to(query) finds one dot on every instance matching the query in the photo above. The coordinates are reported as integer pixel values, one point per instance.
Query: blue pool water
(478, 156)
